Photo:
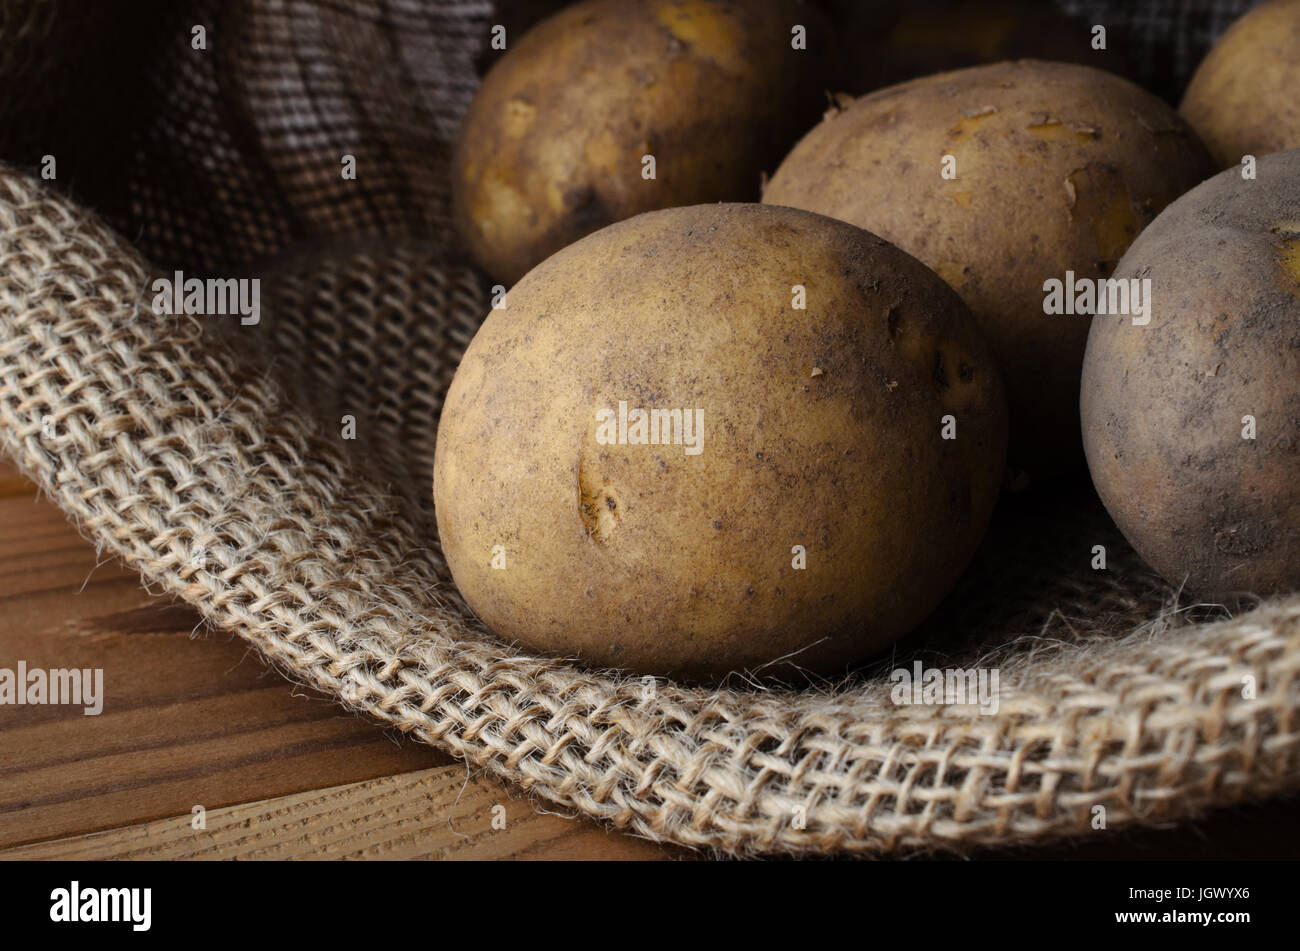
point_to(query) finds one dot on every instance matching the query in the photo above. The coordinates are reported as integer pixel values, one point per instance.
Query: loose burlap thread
(207, 455)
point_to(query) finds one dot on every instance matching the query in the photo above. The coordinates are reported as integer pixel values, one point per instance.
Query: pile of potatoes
(768, 357)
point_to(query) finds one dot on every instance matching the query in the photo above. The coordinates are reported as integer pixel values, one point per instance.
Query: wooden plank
(431, 814)
(186, 719)
(194, 718)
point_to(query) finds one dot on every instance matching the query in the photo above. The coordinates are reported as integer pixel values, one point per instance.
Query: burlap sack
(208, 455)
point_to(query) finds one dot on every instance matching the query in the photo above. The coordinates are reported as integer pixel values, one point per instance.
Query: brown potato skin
(1162, 404)
(552, 144)
(1244, 98)
(1031, 200)
(822, 429)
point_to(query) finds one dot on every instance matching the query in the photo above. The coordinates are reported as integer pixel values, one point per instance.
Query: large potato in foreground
(1165, 405)
(822, 428)
(1244, 98)
(553, 144)
(1057, 167)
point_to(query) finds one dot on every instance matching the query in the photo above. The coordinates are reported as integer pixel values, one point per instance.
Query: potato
(517, 16)
(1192, 422)
(553, 144)
(1057, 168)
(823, 513)
(1243, 99)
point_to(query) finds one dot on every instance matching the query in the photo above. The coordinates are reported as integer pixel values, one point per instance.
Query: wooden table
(194, 719)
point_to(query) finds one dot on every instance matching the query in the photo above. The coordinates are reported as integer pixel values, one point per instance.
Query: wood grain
(191, 717)
(431, 814)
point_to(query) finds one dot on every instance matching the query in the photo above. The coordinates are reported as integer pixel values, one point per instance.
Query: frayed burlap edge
(168, 454)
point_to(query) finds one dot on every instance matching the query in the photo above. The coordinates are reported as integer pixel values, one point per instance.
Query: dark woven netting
(206, 454)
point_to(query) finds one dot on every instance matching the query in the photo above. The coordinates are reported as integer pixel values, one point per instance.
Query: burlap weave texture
(207, 455)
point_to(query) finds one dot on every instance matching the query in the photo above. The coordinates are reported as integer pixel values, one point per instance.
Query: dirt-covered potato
(710, 437)
(1244, 98)
(1192, 422)
(556, 141)
(1001, 178)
